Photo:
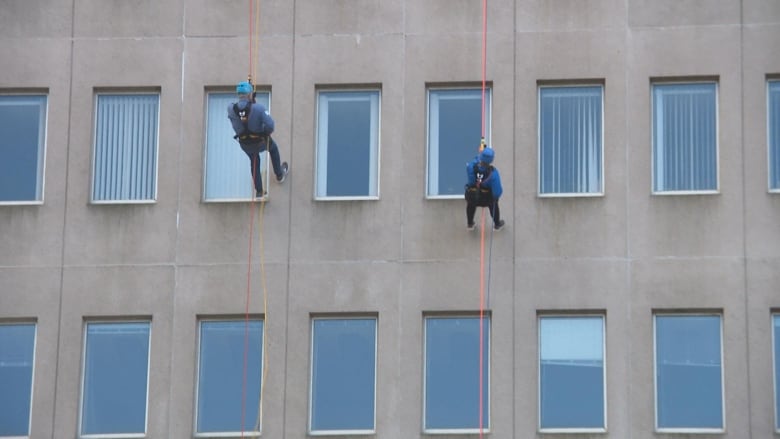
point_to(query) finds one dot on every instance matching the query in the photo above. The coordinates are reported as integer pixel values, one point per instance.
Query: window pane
(343, 374)
(776, 338)
(571, 372)
(570, 140)
(221, 375)
(116, 367)
(228, 171)
(774, 135)
(22, 136)
(684, 137)
(17, 345)
(125, 162)
(347, 144)
(452, 373)
(454, 132)
(689, 389)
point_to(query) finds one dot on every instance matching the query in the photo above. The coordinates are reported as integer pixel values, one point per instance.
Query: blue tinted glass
(774, 134)
(116, 367)
(684, 137)
(221, 375)
(571, 372)
(17, 344)
(22, 122)
(452, 353)
(688, 372)
(454, 132)
(776, 338)
(570, 125)
(343, 374)
(228, 171)
(348, 138)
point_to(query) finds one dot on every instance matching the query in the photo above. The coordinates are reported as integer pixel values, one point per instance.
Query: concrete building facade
(627, 254)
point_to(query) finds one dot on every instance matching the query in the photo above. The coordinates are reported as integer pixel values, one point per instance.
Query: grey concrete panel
(220, 291)
(47, 19)
(684, 225)
(760, 12)
(32, 295)
(689, 285)
(763, 277)
(115, 294)
(118, 18)
(447, 18)
(335, 17)
(567, 15)
(762, 58)
(125, 232)
(673, 13)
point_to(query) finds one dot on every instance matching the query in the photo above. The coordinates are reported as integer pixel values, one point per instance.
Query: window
(22, 141)
(124, 166)
(452, 374)
(115, 378)
(774, 135)
(454, 132)
(343, 376)
(17, 357)
(571, 373)
(688, 373)
(347, 145)
(685, 144)
(776, 343)
(221, 385)
(228, 175)
(571, 140)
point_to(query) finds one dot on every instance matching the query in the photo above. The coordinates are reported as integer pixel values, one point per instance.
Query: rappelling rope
(482, 234)
(254, 42)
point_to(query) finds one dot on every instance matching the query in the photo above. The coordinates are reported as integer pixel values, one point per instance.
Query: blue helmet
(487, 155)
(244, 88)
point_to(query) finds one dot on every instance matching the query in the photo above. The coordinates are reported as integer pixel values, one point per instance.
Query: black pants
(253, 152)
(481, 200)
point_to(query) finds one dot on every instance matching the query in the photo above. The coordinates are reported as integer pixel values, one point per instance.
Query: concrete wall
(627, 253)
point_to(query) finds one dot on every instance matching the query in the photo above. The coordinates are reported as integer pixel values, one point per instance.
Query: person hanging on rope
(253, 126)
(483, 188)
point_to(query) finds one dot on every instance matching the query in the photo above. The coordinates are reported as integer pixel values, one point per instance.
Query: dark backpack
(476, 194)
(246, 136)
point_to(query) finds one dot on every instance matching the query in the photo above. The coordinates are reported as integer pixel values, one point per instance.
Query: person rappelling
(483, 188)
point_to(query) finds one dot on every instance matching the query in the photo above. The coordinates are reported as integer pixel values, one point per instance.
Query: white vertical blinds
(773, 133)
(125, 157)
(570, 140)
(684, 137)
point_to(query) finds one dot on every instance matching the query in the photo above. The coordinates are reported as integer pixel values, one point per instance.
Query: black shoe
(499, 225)
(260, 194)
(470, 226)
(285, 171)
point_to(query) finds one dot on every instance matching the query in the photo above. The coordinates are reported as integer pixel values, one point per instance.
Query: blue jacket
(259, 122)
(493, 181)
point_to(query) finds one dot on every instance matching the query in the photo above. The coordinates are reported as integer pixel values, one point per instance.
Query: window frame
(341, 432)
(770, 83)
(602, 179)
(156, 171)
(605, 408)
(34, 324)
(428, 133)
(688, 430)
(43, 142)
(80, 426)
(265, 96)
(375, 166)
(196, 410)
(661, 82)
(486, 321)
